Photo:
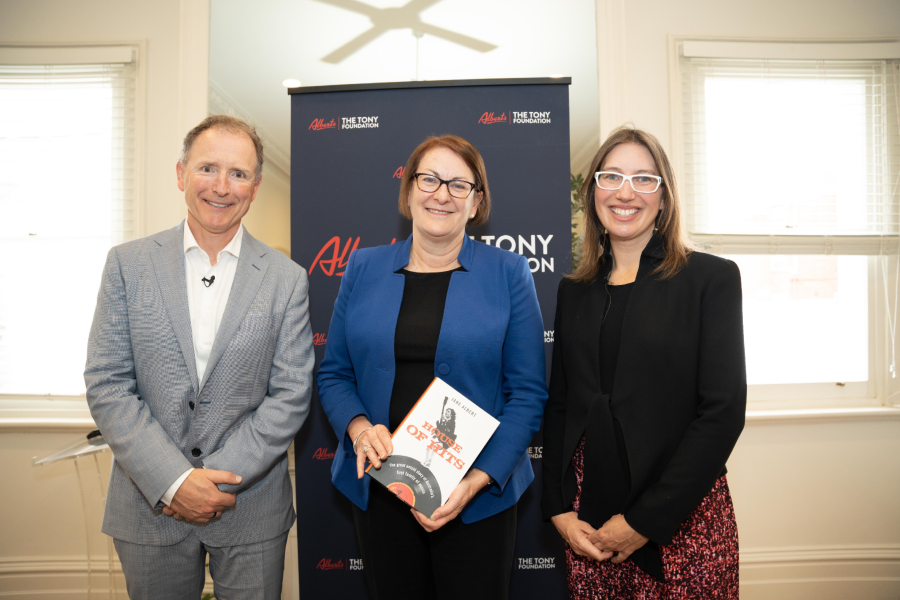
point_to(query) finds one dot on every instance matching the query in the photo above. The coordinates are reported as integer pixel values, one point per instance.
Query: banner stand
(349, 145)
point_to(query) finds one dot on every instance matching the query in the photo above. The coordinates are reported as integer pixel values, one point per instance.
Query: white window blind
(66, 195)
(791, 168)
(792, 147)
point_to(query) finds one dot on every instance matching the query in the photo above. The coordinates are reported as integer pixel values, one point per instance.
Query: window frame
(66, 410)
(881, 390)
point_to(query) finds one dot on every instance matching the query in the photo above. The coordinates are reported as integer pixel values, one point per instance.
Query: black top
(611, 333)
(679, 396)
(416, 339)
(608, 472)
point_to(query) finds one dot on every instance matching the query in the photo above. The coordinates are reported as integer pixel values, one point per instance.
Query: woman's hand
(372, 442)
(575, 532)
(474, 480)
(617, 536)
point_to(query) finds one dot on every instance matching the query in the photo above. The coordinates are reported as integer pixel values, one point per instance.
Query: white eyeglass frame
(628, 178)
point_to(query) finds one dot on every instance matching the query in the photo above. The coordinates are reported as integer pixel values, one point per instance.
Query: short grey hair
(228, 123)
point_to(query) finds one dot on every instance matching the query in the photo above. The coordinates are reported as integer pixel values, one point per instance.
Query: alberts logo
(398, 174)
(323, 454)
(530, 243)
(326, 564)
(319, 339)
(488, 118)
(318, 124)
(338, 258)
(359, 122)
(530, 117)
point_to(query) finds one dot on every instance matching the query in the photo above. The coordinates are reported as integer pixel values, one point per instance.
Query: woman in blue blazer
(436, 305)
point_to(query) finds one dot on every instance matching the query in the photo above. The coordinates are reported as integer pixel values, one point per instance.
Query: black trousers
(401, 560)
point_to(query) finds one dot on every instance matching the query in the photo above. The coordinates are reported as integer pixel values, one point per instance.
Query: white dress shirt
(206, 304)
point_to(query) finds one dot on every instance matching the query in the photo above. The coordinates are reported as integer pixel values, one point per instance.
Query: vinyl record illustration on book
(411, 481)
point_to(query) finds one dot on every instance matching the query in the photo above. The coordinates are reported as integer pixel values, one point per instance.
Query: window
(67, 193)
(790, 166)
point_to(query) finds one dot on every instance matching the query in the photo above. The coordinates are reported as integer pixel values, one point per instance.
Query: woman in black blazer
(647, 392)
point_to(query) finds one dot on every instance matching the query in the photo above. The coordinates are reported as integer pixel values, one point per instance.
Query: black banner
(349, 145)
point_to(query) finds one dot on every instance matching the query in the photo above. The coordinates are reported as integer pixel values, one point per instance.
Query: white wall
(816, 499)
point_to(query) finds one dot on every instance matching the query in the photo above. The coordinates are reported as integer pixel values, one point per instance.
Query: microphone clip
(208, 282)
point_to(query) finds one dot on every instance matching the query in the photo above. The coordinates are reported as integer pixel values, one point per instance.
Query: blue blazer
(491, 349)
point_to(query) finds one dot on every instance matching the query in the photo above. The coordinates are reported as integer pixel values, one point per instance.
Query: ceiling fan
(403, 17)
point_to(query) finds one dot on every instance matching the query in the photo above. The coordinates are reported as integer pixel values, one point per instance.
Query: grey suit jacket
(141, 378)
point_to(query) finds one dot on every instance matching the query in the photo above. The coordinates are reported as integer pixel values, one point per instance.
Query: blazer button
(443, 368)
(191, 404)
(196, 452)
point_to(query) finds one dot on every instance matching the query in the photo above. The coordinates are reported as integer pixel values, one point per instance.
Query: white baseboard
(859, 572)
(38, 577)
(862, 572)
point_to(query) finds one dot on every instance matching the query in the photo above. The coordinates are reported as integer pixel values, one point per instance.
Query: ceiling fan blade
(419, 5)
(353, 5)
(353, 45)
(457, 38)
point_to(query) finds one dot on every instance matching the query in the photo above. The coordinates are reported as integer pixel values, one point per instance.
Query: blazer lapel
(251, 269)
(168, 266)
(585, 321)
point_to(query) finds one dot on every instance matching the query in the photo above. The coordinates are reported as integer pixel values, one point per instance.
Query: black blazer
(680, 392)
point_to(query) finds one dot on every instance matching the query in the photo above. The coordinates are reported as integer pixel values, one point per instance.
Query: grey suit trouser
(177, 572)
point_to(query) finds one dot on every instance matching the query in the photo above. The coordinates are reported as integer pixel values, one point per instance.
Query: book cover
(434, 447)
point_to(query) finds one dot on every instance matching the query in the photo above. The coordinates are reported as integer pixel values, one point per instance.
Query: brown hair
(230, 124)
(468, 153)
(676, 245)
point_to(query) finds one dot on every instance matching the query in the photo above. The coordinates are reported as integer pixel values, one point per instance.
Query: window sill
(72, 415)
(822, 415)
(45, 416)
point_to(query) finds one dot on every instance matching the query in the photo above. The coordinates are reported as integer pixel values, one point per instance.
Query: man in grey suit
(199, 375)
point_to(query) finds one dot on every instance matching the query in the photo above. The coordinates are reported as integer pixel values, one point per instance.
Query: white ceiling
(255, 46)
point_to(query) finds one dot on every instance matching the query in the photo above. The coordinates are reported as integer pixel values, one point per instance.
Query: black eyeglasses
(458, 188)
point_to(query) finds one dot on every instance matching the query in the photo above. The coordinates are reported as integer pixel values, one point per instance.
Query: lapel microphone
(208, 282)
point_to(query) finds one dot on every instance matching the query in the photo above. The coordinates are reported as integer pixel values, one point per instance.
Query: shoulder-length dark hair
(469, 155)
(676, 245)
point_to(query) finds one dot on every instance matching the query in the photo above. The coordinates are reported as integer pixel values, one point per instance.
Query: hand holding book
(370, 442)
(470, 485)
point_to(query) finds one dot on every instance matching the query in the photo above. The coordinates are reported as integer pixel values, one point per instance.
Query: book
(434, 447)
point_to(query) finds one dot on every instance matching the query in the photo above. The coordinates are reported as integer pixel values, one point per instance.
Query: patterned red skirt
(701, 561)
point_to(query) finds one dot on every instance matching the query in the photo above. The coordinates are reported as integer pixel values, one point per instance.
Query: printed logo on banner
(398, 174)
(319, 339)
(488, 118)
(356, 564)
(319, 124)
(535, 452)
(326, 564)
(548, 337)
(359, 122)
(339, 257)
(530, 243)
(323, 454)
(537, 562)
(530, 117)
